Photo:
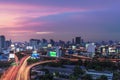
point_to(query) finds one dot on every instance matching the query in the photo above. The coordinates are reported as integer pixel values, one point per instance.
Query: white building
(97, 74)
(91, 48)
(58, 51)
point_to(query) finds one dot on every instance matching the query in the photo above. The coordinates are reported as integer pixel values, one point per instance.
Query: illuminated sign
(35, 55)
(53, 54)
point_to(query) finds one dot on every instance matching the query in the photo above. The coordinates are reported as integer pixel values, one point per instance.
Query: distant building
(4, 57)
(78, 40)
(52, 42)
(44, 41)
(7, 43)
(58, 51)
(97, 74)
(34, 43)
(91, 49)
(73, 41)
(62, 71)
(2, 42)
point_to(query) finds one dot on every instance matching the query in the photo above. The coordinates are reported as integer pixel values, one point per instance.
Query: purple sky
(94, 20)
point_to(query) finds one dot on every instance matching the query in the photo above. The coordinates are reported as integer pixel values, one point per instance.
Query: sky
(93, 20)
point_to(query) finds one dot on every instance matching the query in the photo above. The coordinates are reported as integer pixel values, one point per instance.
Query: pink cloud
(41, 33)
(15, 16)
(11, 14)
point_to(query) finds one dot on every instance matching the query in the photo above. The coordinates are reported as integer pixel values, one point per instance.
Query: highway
(8, 75)
(100, 59)
(11, 73)
(24, 71)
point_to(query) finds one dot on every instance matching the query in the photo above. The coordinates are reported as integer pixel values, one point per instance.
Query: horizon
(60, 20)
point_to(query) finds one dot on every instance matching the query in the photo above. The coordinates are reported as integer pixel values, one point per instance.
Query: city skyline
(93, 20)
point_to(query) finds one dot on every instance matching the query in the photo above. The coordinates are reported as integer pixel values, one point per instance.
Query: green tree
(56, 74)
(46, 77)
(78, 71)
(80, 62)
(72, 77)
(103, 77)
(87, 77)
(116, 76)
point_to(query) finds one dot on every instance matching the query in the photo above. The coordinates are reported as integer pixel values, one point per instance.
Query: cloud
(58, 18)
(41, 33)
(13, 14)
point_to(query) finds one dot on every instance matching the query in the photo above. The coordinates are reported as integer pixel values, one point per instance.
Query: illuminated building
(91, 48)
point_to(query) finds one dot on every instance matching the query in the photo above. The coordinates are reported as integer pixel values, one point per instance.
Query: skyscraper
(78, 40)
(2, 41)
(73, 41)
(7, 43)
(34, 43)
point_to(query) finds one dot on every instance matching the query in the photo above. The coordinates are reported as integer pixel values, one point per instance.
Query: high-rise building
(78, 40)
(34, 43)
(2, 41)
(91, 49)
(73, 41)
(52, 42)
(58, 51)
(7, 43)
(44, 41)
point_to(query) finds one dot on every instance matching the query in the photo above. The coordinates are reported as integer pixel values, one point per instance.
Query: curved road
(24, 71)
(21, 72)
(11, 73)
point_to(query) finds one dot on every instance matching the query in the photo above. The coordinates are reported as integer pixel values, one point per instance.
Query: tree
(57, 74)
(45, 77)
(116, 76)
(87, 77)
(72, 77)
(80, 62)
(103, 77)
(78, 71)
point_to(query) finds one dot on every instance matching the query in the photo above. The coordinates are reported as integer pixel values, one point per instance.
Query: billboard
(53, 54)
(35, 55)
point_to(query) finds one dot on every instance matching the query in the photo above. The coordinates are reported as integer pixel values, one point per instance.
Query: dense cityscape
(59, 60)
(59, 40)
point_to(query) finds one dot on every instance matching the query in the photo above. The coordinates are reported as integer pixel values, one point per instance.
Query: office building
(7, 44)
(73, 41)
(2, 42)
(97, 74)
(34, 43)
(90, 47)
(78, 40)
